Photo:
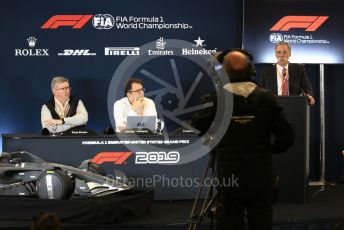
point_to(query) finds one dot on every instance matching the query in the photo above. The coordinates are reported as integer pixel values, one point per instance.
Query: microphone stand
(300, 89)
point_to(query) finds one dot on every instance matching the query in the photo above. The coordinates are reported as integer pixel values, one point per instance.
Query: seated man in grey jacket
(63, 111)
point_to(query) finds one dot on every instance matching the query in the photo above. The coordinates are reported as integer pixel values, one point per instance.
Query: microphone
(109, 131)
(45, 132)
(298, 88)
(284, 72)
(303, 93)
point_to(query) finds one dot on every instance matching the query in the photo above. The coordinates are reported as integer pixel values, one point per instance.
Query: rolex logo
(32, 51)
(31, 41)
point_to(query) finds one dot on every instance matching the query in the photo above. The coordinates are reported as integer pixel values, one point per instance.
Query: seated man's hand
(51, 122)
(122, 127)
(138, 105)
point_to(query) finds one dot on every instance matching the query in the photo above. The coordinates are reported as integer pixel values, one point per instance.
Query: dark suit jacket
(298, 79)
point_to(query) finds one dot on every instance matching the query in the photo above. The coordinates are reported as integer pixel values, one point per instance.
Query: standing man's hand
(310, 99)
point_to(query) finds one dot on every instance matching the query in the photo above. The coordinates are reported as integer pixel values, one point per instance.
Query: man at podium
(285, 78)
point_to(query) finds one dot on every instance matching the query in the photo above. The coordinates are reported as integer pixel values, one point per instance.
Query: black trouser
(232, 211)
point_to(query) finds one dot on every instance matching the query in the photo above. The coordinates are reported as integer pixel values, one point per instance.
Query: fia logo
(103, 21)
(276, 37)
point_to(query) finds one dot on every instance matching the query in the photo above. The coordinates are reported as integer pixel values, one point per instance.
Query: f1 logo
(310, 23)
(75, 21)
(117, 158)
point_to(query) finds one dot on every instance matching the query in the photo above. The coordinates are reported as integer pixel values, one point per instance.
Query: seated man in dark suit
(284, 78)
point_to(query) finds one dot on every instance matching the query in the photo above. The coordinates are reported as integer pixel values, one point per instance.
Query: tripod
(196, 219)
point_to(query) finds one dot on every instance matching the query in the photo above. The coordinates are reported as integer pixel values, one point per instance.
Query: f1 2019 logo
(309, 23)
(117, 158)
(157, 157)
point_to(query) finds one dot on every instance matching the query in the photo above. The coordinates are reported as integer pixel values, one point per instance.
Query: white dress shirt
(280, 77)
(122, 109)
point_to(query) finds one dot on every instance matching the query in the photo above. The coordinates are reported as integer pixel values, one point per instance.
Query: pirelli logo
(117, 158)
(118, 51)
(309, 23)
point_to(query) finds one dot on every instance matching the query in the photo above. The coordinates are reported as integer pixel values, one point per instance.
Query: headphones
(251, 70)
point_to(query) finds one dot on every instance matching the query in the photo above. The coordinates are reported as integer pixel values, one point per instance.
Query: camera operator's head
(238, 64)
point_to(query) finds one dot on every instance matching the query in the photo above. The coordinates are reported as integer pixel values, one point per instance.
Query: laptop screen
(141, 122)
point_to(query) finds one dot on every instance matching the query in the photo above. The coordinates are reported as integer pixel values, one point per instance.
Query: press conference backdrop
(86, 41)
(314, 28)
(25, 80)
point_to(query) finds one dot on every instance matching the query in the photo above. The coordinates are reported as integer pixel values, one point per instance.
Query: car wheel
(54, 184)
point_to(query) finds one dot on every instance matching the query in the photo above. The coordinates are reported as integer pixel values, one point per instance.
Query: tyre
(54, 184)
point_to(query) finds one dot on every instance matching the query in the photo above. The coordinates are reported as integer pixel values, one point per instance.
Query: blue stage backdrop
(314, 28)
(86, 41)
(25, 79)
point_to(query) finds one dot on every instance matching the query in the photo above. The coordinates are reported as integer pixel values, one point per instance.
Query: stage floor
(327, 206)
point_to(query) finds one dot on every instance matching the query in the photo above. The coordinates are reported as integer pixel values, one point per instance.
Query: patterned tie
(285, 90)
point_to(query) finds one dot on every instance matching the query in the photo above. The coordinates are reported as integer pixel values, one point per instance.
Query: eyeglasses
(65, 88)
(137, 91)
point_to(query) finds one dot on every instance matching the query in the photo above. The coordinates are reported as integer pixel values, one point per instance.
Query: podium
(293, 165)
